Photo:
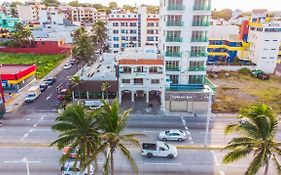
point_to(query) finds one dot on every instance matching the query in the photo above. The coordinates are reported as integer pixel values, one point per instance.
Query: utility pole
(209, 112)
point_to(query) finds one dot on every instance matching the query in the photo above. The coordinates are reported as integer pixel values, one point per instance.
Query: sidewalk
(17, 99)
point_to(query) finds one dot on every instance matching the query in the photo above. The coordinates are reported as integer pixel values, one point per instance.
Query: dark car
(263, 77)
(72, 61)
(50, 80)
(43, 87)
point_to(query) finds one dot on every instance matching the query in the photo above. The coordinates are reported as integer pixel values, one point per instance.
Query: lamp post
(208, 117)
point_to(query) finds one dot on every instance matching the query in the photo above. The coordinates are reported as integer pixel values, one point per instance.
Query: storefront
(15, 77)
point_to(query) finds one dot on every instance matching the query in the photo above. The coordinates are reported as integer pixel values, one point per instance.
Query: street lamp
(208, 117)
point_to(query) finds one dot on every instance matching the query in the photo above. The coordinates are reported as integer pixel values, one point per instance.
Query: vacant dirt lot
(237, 90)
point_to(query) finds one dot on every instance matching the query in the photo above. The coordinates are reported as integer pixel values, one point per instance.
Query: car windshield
(30, 95)
(166, 146)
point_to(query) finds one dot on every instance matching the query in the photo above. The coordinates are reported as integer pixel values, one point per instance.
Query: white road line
(215, 158)
(35, 125)
(162, 163)
(11, 161)
(49, 97)
(30, 130)
(25, 135)
(27, 119)
(3, 129)
(222, 173)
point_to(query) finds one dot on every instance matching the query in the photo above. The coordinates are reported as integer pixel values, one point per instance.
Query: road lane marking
(187, 130)
(222, 173)
(161, 163)
(215, 157)
(42, 129)
(27, 119)
(30, 130)
(151, 131)
(49, 97)
(21, 161)
(35, 125)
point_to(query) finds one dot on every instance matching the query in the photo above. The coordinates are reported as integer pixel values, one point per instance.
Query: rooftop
(12, 68)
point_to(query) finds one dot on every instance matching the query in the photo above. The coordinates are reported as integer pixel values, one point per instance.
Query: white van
(33, 93)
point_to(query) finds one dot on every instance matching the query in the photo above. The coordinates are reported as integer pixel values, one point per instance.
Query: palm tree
(112, 122)
(257, 137)
(77, 81)
(77, 129)
(99, 31)
(104, 87)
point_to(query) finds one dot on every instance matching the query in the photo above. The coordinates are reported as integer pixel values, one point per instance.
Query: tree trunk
(267, 165)
(112, 162)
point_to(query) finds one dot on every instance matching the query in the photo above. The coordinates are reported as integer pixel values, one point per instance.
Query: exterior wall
(228, 67)
(223, 31)
(25, 13)
(265, 41)
(8, 22)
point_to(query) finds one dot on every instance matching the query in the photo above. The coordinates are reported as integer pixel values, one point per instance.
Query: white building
(51, 16)
(30, 11)
(223, 31)
(134, 29)
(264, 39)
(184, 26)
(141, 72)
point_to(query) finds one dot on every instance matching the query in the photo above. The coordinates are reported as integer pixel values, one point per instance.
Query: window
(133, 24)
(115, 38)
(153, 70)
(133, 31)
(122, 24)
(115, 24)
(155, 81)
(126, 81)
(139, 69)
(126, 69)
(138, 81)
(116, 45)
(150, 38)
(115, 31)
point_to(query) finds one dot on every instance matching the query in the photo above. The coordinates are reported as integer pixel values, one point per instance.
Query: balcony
(203, 23)
(173, 54)
(197, 68)
(174, 39)
(174, 23)
(172, 68)
(200, 39)
(201, 7)
(175, 8)
(198, 54)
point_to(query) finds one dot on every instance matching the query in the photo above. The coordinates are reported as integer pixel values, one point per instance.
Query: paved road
(48, 101)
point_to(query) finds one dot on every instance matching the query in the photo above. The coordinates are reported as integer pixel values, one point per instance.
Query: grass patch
(44, 63)
(239, 90)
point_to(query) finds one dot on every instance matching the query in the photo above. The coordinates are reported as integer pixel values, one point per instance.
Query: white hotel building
(134, 29)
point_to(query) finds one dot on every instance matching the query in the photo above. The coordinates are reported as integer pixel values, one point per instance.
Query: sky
(245, 5)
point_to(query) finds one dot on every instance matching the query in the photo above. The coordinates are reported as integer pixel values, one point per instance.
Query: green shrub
(244, 71)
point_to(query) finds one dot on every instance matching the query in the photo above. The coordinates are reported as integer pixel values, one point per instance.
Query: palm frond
(256, 163)
(277, 164)
(230, 128)
(236, 155)
(129, 157)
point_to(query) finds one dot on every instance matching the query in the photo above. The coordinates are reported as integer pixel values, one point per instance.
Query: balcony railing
(198, 54)
(173, 54)
(174, 23)
(197, 68)
(201, 7)
(174, 39)
(125, 72)
(172, 68)
(203, 23)
(175, 7)
(200, 39)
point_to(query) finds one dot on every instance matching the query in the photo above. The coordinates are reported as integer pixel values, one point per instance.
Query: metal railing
(174, 23)
(174, 39)
(175, 7)
(173, 54)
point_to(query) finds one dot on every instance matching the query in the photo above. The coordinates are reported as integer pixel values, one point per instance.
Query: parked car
(243, 121)
(72, 61)
(62, 94)
(70, 168)
(260, 74)
(93, 104)
(43, 86)
(173, 134)
(159, 149)
(51, 80)
(67, 66)
(59, 88)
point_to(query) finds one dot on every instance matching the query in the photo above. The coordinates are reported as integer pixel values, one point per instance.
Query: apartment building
(81, 15)
(184, 26)
(8, 22)
(132, 29)
(30, 10)
(264, 39)
(141, 73)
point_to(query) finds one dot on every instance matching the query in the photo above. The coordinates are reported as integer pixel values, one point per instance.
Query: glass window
(138, 81)
(126, 81)
(155, 81)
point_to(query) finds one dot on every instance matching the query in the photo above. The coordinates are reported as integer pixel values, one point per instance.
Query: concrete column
(147, 96)
(88, 96)
(133, 96)
(120, 97)
(73, 95)
(162, 100)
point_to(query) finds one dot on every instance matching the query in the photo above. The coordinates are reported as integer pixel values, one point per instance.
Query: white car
(67, 66)
(173, 134)
(69, 169)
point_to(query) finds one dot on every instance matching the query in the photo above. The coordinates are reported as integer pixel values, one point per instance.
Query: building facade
(8, 22)
(141, 72)
(264, 39)
(132, 29)
(30, 10)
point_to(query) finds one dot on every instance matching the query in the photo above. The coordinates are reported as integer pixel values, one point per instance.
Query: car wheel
(171, 156)
(180, 139)
(149, 155)
(164, 139)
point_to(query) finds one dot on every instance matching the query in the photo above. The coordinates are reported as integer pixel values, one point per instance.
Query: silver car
(173, 134)
(69, 169)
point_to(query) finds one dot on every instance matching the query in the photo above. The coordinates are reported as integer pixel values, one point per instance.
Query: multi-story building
(184, 26)
(134, 29)
(264, 39)
(8, 22)
(82, 15)
(141, 72)
(30, 11)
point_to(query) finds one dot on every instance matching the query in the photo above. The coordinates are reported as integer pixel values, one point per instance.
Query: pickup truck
(32, 93)
(159, 149)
